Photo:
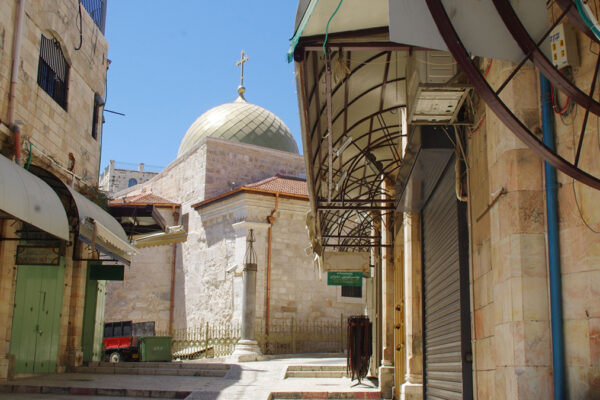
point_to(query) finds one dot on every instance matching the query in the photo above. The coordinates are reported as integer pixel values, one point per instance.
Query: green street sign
(344, 278)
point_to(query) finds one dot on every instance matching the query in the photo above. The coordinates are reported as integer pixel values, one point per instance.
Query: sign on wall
(37, 255)
(344, 278)
(346, 261)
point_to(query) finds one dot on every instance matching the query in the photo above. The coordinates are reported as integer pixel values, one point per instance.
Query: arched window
(132, 182)
(53, 71)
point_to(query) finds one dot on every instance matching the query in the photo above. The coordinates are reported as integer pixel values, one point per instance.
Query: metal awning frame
(348, 220)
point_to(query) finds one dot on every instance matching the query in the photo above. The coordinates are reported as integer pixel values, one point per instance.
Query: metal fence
(97, 10)
(289, 336)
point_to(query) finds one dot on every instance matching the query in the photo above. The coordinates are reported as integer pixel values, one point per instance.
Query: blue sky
(172, 60)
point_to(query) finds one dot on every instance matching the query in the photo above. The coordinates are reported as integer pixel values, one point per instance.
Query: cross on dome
(244, 59)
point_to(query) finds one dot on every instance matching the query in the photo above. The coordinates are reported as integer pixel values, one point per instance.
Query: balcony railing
(97, 10)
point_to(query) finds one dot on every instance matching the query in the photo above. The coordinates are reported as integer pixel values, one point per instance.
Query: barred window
(352, 291)
(53, 71)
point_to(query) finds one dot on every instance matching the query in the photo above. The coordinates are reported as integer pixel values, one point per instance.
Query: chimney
(112, 164)
(141, 167)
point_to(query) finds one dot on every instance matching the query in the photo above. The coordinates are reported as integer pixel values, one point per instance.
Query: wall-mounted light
(343, 146)
(376, 166)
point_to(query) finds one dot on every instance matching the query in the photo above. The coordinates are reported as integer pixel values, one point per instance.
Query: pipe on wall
(556, 312)
(270, 220)
(173, 267)
(14, 79)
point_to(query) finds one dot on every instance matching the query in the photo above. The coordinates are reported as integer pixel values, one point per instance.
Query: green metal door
(99, 322)
(89, 316)
(93, 317)
(36, 319)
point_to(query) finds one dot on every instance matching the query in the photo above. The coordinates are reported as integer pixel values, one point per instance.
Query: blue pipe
(558, 341)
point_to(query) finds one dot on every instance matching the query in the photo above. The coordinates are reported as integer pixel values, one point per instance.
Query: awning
(28, 198)
(173, 234)
(318, 17)
(100, 230)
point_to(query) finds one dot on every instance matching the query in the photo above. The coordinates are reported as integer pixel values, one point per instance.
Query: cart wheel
(114, 357)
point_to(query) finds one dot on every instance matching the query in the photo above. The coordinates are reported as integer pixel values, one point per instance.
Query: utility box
(563, 41)
(432, 96)
(155, 348)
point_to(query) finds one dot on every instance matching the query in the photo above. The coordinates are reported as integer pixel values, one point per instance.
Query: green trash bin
(155, 348)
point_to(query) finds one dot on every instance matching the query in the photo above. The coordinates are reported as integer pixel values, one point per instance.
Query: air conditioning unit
(432, 97)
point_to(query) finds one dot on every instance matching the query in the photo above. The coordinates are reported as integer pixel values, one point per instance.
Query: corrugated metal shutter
(441, 291)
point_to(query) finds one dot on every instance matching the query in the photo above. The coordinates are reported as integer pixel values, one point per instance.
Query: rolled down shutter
(443, 332)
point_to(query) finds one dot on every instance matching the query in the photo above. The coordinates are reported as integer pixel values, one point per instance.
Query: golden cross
(241, 62)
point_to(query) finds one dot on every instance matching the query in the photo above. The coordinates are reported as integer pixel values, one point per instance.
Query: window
(98, 102)
(352, 291)
(132, 182)
(53, 71)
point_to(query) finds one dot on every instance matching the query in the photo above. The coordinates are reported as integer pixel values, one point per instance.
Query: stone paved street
(249, 381)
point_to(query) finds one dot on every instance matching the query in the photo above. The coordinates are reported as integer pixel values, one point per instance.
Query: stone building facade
(497, 330)
(113, 180)
(52, 85)
(226, 187)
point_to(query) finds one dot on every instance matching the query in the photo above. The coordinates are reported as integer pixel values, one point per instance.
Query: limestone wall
(51, 128)
(144, 294)
(511, 317)
(230, 165)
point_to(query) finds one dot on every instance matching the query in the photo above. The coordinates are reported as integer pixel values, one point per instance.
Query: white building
(238, 168)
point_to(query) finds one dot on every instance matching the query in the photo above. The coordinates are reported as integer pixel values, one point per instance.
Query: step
(166, 364)
(316, 371)
(325, 395)
(216, 373)
(82, 391)
(316, 374)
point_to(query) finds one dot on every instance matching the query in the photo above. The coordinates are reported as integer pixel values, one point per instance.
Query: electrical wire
(580, 212)
(80, 28)
(555, 105)
(327, 26)
(583, 12)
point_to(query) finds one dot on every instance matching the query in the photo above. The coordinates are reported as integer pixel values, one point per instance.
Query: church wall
(298, 289)
(144, 294)
(230, 165)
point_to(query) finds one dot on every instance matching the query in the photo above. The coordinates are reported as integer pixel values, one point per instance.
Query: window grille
(53, 71)
(352, 291)
(97, 10)
(95, 115)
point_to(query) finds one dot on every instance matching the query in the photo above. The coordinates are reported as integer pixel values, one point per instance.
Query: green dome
(240, 121)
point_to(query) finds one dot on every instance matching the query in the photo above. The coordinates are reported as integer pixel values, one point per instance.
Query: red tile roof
(141, 199)
(281, 184)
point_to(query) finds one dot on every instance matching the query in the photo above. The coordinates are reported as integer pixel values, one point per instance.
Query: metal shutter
(441, 293)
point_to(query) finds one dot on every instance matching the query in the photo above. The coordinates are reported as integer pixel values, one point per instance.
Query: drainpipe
(173, 265)
(14, 78)
(558, 345)
(270, 220)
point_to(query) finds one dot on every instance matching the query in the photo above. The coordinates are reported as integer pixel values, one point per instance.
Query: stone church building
(237, 169)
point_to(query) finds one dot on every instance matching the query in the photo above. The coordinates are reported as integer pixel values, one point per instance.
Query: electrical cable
(580, 212)
(555, 105)
(586, 16)
(327, 26)
(80, 28)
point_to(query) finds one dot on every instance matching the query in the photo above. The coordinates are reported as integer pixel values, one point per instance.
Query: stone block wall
(230, 165)
(509, 279)
(52, 129)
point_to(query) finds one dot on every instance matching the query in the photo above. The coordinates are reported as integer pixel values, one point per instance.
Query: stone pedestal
(247, 348)
(386, 381)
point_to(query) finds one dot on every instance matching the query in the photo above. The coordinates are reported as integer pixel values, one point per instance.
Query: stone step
(161, 365)
(151, 371)
(83, 391)
(316, 374)
(316, 371)
(375, 395)
(338, 367)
